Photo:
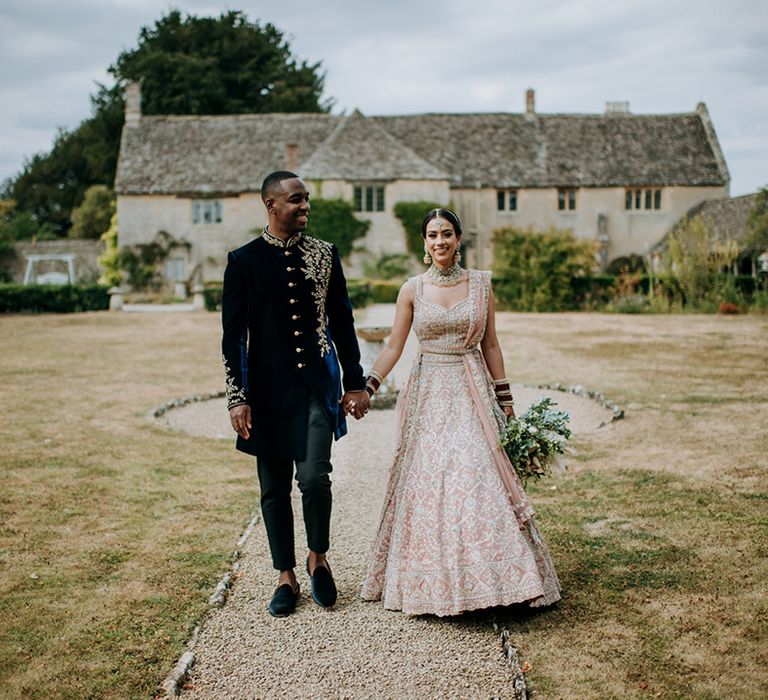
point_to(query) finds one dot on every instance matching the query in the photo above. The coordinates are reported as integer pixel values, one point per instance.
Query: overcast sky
(398, 57)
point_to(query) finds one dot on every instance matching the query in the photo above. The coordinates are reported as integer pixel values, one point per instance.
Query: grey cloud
(413, 55)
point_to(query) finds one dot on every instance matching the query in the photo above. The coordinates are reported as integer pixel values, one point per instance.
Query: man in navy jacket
(287, 326)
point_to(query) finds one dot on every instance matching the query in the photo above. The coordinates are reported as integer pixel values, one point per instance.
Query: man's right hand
(240, 417)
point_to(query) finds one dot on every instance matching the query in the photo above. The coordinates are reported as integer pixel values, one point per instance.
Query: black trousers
(312, 476)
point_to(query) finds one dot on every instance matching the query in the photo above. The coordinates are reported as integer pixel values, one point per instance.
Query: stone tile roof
(516, 150)
(360, 149)
(231, 154)
(213, 154)
(726, 218)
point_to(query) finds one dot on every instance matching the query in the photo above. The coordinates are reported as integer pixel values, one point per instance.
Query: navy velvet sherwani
(287, 324)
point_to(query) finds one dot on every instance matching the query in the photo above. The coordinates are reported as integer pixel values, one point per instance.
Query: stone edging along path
(170, 687)
(178, 680)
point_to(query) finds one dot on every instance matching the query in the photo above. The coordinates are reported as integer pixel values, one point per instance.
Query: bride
(456, 531)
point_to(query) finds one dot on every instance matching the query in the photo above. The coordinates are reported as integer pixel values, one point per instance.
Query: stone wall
(87, 269)
(142, 216)
(627, 231)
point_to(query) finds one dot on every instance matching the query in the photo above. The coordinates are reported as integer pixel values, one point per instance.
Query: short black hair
(273, 180)
(441, 213)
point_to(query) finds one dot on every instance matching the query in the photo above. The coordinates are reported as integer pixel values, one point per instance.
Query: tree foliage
(387, 266)
(50, 185)
(187, 65)
(334, 221)
(702, 265)
(757, 224)
(94, 214)
(110, 258)
(411, 214)
(534, 270)
(224, 65)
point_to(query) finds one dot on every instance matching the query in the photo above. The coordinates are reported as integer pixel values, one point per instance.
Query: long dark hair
(441, 213)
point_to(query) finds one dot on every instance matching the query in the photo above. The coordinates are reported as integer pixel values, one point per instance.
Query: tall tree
(224, 65)
(757, 224)
(187, 65)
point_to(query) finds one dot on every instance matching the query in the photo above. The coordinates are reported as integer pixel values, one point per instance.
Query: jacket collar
(274, 240)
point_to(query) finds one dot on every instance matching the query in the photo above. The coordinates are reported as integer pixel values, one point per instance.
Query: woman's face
(441, 241)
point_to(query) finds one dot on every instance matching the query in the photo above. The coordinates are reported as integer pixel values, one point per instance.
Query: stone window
(638, 199)
(176, 269)
(206, 211)
(369, 198)
(566, 199)
(506, 200)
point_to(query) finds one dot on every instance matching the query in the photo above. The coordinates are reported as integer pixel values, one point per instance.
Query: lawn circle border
(577, 389)
(580, 390)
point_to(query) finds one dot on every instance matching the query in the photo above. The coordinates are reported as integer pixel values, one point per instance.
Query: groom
(285, 315)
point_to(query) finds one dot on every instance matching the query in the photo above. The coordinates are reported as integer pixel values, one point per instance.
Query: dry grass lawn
(113, 531)
(660, 529)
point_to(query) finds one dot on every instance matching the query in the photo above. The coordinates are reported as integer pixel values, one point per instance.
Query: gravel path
(358, 649)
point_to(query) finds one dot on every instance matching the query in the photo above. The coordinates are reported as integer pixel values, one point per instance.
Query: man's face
(290, 205)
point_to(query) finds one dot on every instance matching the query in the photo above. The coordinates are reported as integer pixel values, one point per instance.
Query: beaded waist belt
(446, 356)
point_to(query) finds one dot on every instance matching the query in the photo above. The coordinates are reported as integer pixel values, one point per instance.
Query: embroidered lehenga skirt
(456, 532)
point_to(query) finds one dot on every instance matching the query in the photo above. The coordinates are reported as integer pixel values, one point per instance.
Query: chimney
(530, 101)
(132, 104)
(617, 107)
(292, 161)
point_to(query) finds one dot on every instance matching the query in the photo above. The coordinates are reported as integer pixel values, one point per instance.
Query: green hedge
(595, 292)
(384, 291)
(361, 294)
(212, 298)
(48, 298)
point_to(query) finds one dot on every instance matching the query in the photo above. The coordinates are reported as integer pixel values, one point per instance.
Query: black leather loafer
(283, 601)
(323, 586)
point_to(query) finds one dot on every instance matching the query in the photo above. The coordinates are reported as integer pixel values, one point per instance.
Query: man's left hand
(356, 403)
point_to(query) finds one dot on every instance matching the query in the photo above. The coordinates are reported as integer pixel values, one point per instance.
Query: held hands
(355, 403)
(240, 417)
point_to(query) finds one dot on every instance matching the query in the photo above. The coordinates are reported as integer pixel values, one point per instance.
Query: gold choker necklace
(440, 277)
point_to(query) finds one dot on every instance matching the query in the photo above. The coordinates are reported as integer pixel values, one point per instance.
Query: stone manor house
(619, 178)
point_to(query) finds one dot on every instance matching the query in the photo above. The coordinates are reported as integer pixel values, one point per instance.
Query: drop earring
(427, 257)
(457, 255)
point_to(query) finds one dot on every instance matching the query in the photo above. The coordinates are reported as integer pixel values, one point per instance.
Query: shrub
(757, 224)
(387, 266)
(760, 297)
(592, 292)
(94, 214)
(359, 293)
(411, 214)
(699, 264)
(631, 263)
(43, 298)
(384, 291)
(535, 270)
(334, 221)
(110, 258)
(212, 298)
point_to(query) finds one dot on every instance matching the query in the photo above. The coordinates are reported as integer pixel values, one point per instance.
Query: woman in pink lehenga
(457, 532)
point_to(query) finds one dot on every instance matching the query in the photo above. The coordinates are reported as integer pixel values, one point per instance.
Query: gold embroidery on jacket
(318, 260)
(235, 395)
(279, 242)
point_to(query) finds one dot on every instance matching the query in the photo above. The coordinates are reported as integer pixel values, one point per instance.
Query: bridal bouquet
(535, 440)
